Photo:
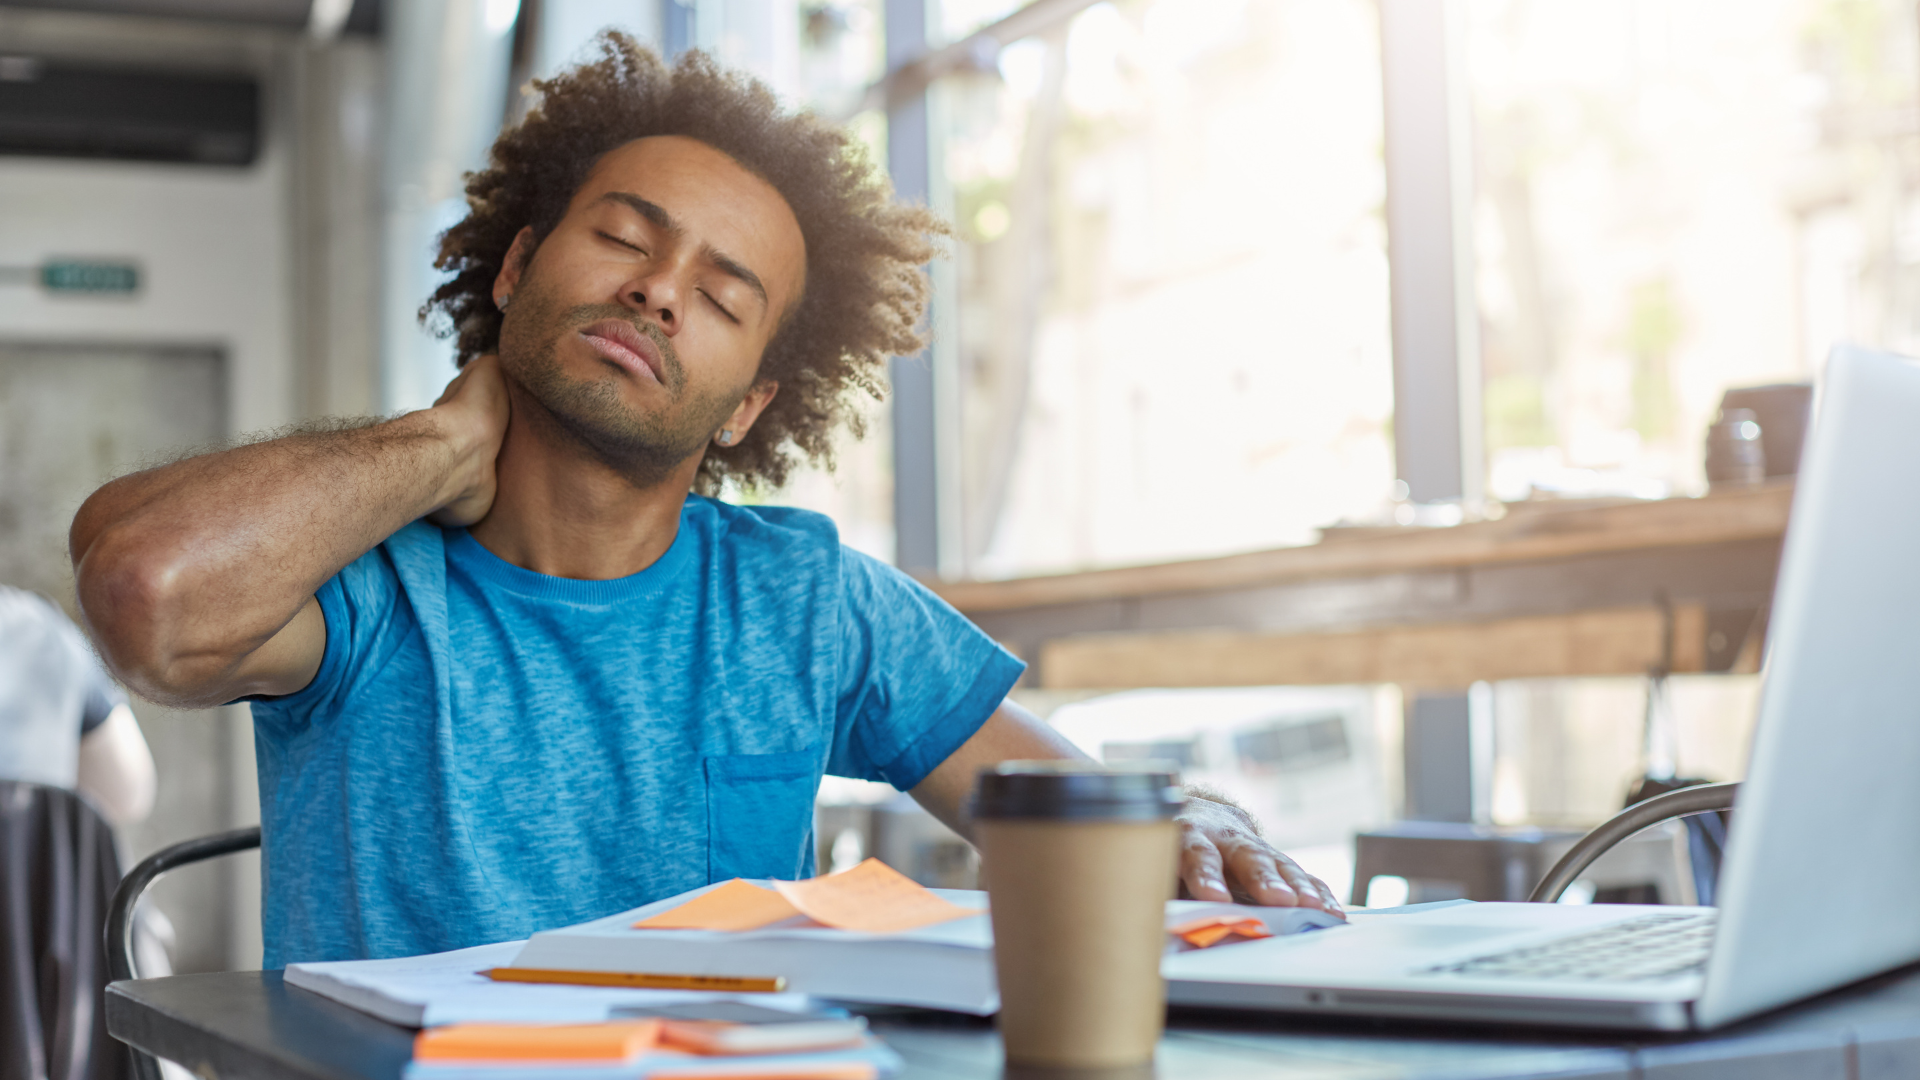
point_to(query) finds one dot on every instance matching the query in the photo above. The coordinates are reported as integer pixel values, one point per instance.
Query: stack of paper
(865, 935)
(868, 934)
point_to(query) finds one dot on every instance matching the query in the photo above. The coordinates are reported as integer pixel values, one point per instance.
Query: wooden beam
(1520, 537)
(1618, 641)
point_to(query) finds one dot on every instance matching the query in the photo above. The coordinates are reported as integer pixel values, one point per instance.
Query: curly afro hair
(865, 289)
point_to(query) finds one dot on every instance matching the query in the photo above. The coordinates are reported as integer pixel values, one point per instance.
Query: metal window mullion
(949, 450)
(1438, 447)
(915, 411)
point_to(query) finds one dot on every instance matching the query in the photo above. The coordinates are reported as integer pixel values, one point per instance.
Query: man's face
(639, 322)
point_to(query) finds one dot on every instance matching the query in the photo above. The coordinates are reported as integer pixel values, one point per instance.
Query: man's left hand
(1223, 858)
(1221, 854)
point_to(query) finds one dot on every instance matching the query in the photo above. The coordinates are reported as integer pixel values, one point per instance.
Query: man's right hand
(197, 579)
(474, 406)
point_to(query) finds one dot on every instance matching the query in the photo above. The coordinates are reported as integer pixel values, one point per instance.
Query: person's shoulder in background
(45, 682)
(63, 721)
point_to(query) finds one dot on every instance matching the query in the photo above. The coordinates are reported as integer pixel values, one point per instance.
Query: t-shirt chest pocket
(760, 815)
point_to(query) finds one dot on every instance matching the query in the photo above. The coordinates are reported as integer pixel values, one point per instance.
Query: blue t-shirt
(487, 751)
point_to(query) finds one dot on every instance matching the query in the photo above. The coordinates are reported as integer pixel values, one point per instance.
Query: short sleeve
(916, 678)
(356, 605)
(101, 696)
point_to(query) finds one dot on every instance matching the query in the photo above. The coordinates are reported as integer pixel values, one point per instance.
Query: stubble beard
(645, 448)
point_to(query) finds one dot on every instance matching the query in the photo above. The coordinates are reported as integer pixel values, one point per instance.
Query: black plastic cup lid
(1077, 790)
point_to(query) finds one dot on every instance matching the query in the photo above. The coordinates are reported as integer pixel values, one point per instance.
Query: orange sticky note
(736, 905)
(615, 1042)
(1201, 937)
(1213, 929)
(872, 897)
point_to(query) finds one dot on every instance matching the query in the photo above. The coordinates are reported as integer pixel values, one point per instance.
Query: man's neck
(563, 512)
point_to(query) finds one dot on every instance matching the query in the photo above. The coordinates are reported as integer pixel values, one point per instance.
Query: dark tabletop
(251, 1024)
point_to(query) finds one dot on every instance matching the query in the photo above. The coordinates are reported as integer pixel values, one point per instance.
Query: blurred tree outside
(1673, 198)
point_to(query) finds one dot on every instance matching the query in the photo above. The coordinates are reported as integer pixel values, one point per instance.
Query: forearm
(1219, 840)
(1010, 733)
(184, 570)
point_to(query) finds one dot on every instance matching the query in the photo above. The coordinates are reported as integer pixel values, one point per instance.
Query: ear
(749, 410)
(514, 265)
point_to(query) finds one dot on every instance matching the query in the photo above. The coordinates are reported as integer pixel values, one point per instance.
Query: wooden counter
(1544, 591)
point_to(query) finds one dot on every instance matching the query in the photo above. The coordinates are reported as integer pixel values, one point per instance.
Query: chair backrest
(57, 869)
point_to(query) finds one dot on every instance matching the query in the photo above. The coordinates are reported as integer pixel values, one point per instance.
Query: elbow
(132, 599)
(125, 596)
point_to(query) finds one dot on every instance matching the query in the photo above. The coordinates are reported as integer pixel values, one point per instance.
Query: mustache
(588, 314)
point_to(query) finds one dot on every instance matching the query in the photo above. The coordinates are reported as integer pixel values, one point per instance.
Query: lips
(619, 341)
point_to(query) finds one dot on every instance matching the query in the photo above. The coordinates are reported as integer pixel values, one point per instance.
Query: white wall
(213, 252)
(216, 252)
(213, 243)
(212, 246)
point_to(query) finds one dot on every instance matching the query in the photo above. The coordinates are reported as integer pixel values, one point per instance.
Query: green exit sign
(77, 276)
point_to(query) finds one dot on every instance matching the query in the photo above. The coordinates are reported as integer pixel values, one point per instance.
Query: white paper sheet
(447, 988)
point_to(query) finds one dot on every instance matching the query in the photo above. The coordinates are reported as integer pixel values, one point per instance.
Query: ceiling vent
(51, 108)
(364, 17)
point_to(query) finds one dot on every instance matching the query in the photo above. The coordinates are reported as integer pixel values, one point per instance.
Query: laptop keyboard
(1653, 947)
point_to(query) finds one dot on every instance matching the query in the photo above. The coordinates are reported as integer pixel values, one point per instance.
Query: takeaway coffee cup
(1079, 862)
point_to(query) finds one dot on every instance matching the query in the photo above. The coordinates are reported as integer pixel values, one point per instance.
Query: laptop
(1821, 880)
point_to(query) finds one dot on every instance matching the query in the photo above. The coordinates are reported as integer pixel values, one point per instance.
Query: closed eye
(628, 244)
(721, 308)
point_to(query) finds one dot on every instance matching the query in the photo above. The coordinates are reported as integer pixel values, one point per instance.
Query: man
(508, 672)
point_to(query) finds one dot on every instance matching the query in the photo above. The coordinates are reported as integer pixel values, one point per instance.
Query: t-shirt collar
(474, 558)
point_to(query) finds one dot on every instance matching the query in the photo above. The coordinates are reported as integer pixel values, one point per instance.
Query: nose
(659, 295)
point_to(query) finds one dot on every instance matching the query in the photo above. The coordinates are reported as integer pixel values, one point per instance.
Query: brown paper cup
(1078, 930)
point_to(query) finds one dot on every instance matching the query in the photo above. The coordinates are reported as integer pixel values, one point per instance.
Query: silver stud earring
(502, 302)
(726, 438)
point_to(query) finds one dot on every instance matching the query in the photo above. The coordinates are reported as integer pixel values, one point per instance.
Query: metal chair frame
(1686, 802)
(120, 961)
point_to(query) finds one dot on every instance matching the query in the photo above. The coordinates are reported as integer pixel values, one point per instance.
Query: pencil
(734, 984)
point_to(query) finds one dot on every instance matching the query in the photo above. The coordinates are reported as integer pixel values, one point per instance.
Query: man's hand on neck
(474, 410)
(556, 508)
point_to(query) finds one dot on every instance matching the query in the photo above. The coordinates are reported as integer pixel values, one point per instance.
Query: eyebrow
(721, 261)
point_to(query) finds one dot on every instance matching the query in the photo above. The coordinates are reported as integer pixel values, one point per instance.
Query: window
(841, 54)
(1673, 198)
(1171, 327)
